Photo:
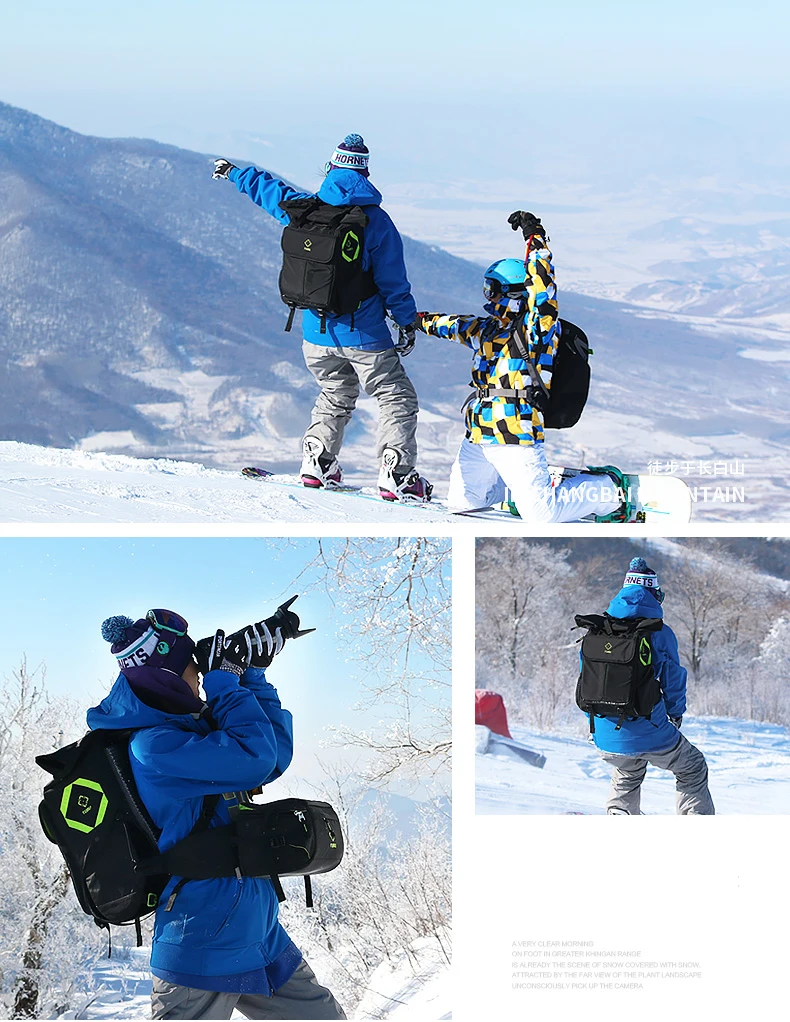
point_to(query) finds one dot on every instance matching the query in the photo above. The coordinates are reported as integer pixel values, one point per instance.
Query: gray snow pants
(340, 372)
(302, 997)
(684, 760)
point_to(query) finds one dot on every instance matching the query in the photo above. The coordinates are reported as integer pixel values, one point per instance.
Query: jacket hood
(121, 709)
(635, 601)
(348, 188)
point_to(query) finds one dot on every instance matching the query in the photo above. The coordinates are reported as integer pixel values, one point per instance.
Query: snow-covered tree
(45, 941)
(395, 593)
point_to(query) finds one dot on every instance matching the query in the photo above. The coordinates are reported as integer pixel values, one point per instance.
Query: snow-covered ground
(45, 484)
(415, 986)
(748, 762)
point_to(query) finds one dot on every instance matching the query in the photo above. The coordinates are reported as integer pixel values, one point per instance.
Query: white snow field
(415, 986)
(45, 484)
(748, 763)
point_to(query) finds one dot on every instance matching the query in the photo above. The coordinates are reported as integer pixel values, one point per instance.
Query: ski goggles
(493, 289)
(167, 621)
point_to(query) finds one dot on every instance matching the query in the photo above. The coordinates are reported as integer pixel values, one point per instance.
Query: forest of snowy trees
(728, 602)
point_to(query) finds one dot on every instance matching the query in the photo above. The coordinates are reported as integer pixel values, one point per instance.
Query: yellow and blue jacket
(499, 419)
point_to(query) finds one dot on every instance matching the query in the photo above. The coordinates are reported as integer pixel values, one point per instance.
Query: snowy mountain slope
(48, 485)
(748, 761)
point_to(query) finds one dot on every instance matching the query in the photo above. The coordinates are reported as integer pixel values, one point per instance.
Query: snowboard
(658, 500)
(492, 743)
(369, 493)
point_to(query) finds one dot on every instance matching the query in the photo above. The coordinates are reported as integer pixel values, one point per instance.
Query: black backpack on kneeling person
(563, 403)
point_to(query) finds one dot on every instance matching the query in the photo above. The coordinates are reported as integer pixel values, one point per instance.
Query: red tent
(490, 710)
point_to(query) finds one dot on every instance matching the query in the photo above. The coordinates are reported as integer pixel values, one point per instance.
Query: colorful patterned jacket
(500, 419)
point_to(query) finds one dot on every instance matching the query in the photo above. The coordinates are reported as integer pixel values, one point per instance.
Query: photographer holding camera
(217, 943)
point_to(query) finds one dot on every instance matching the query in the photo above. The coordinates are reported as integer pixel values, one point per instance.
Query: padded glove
(222, 168)
(528, 222)
(677, 721)
(407, 335)
(221, 653)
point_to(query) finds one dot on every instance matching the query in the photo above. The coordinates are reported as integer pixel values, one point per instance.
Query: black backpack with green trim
(617, 677)
(322, 259)
(91, 810)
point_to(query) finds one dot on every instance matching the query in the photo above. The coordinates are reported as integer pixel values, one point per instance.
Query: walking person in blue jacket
(217, 944)
(630, 745)
(349, 351)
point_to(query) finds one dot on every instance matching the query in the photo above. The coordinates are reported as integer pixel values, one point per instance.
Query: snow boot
(625, 512)
(318, 467)
(408, 486)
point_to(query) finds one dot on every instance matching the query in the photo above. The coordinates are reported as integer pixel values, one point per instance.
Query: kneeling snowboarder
(515, 346)
(633, 689)
(218, 943)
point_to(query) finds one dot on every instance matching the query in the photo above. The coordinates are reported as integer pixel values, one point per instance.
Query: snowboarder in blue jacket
(630, 745)
(354, 350)
(217, 944)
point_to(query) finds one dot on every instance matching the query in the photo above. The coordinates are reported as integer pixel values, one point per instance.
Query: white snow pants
(482, 472)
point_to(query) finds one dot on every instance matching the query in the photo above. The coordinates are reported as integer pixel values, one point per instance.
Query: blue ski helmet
(506, 278)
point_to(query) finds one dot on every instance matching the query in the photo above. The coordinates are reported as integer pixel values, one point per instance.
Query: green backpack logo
(83, 805)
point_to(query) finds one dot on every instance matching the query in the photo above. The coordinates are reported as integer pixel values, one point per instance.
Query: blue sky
(414, 77)
(56, 592)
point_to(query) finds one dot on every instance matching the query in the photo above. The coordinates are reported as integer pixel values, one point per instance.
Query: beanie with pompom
(351, 154)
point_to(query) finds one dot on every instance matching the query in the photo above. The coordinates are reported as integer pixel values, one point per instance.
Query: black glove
(223, 653)
(222, 168)
(528, 222)
(266, 638)
(677, 721)
(407, 335)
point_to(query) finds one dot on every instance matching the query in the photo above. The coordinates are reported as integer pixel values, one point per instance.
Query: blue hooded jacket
(656, 733)
(220, 934)
(382, 252)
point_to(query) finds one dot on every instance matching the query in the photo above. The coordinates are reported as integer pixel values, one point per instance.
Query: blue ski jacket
(656, 733)
(221, 934)
(382, 252)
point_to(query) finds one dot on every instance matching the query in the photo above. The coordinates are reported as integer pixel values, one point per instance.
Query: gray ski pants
(302, 997)
(340, 372)
(684, 760)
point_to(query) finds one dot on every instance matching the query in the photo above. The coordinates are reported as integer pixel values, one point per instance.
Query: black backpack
(92, 810)
(322, 259)
(563, 404)
(570, 379)
(617, 677)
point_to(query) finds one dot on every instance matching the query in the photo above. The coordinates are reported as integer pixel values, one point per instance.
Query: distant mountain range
(139, 313)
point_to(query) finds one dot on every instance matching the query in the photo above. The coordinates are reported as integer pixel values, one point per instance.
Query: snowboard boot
(625, 512)
(318, 467)
(617, 812)
(408, 486)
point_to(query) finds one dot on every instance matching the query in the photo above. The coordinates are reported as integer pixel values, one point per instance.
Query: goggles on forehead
(493, 289)
(167, 621)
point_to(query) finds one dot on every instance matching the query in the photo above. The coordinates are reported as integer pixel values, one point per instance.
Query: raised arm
(237, 756)
(264, 189)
